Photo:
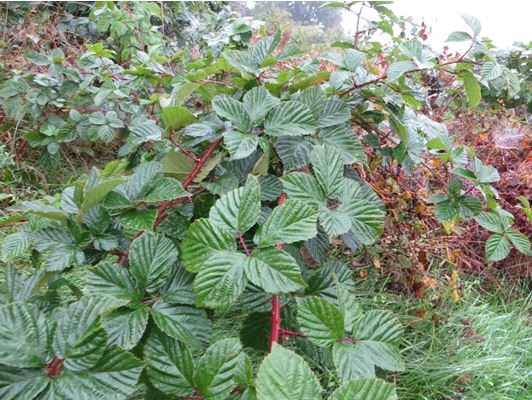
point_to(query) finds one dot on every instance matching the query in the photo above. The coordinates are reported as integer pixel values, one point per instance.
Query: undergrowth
(472, 349)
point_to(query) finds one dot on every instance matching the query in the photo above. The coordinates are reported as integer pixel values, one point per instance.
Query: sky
(502, 21)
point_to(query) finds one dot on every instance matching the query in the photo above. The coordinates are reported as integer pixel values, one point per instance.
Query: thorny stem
(276, 304)
(286, 332)
(276, 321)
(183, 150)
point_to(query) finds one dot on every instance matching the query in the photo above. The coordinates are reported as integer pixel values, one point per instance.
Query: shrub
(229, 168)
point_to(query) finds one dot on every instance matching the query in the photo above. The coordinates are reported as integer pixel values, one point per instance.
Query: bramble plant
(231, 166)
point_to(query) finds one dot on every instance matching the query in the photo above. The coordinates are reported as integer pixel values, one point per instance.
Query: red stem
(276, 321)
(286, 332)
(148, 301)
(243, 243)
(180, 147)
(161, 212)
(276, 304)
(54, 368)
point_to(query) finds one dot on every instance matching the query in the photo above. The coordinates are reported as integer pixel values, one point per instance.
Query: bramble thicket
(230, 173)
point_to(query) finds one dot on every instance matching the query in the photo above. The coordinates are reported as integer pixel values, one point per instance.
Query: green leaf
(485, 173)
(165, 189)
(241, 60)
(174, 117)
(42, 210)
(125, 328)
(377, 335)
(138, 220)
(238, 210)
(113, 280)
(365, 389)
(21, 384)
(21, 288)
(446, 210)
(170, 365)
(334, 222)
(291, 222)
(203, 239)
(177, 163)
(258, 102)
(293, 151)
(343, 139)
(221, 280)
(328, 166)
(334, 112)
(143, 130)
(491, 222)
(324, 281)
(473, 23)
(151, 258)
(187, 324)
(397, 69)
(15, 244)
(519, 241)
(179, 288)
(25, 336)
(232, 110)
(348, 304)
(290, 118)
(77, 337)
(472, 87)
(240, 145)
(274, 270)
(469, 206)
(352, 59)
(367, 218)
(216, 369)
(271, 188)
(211, 164)
(314, 98)
(106, 133)
(304, 187)
(115, 377)
(96, 194)
(490, 70)
(97, 118)
(264, 48)
(285, 375)
(320, 321)
(497, 247)
(459, 36)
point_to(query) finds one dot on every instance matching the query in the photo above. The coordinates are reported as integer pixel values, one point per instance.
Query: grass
(477, 348)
